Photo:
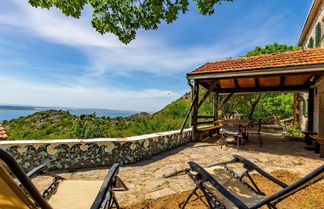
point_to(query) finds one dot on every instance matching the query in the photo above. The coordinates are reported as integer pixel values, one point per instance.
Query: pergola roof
(287, 59)
(292, 71)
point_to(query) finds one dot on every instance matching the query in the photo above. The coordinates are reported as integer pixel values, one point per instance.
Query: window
(305, 107)
(311, 42)
(318, 35)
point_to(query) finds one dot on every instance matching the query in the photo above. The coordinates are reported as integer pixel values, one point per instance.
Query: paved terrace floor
(144, 179)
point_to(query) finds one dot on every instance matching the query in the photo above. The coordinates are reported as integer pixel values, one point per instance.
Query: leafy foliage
(124, 17)
(271, 48)
(41, 125)
(294, 130)
(266, 105)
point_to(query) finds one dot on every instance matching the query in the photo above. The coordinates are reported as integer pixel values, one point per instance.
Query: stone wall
(69, 154)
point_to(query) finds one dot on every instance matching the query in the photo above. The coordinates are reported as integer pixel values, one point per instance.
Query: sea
(9, 112)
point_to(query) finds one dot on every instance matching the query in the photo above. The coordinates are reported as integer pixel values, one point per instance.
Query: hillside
(58, 124)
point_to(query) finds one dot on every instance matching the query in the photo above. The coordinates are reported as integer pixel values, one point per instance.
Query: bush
(294, 130)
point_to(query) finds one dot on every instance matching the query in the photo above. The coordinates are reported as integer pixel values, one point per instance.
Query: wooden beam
(195, 110)
(205, 122)
(205, 116)
(264, 89)
(316, 77)
(230, 75)
(236, 83)
(257, 83)
(215, 105)
(207, 94)
(187, 116)
(282, 81)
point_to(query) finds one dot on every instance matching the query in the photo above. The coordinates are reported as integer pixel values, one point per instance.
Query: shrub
(294, 130)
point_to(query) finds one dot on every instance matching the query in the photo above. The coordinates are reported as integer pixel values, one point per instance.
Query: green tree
(271, 49)
(124, 17)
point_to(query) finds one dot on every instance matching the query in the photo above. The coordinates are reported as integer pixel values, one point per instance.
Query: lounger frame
(200, 177)
(105, 198)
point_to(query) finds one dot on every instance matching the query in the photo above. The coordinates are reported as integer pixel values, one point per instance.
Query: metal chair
(235, 131)
(24, 194)
(225, 189)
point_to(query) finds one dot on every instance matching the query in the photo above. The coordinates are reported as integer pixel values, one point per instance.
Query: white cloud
(19, 91)
(106, 53)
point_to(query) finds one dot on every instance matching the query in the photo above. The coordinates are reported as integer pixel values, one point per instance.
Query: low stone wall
(69, 154)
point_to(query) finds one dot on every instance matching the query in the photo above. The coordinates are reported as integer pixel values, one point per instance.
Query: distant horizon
(10, 112)
(36, 107)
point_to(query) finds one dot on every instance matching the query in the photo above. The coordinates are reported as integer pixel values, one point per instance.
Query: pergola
(295, 71)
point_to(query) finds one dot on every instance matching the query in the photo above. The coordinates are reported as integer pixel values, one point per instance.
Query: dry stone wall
(70, 154)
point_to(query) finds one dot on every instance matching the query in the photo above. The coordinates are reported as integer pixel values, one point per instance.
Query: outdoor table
(319, 144)
(307, 139)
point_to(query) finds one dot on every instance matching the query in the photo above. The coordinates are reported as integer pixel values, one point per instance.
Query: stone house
(312, 37)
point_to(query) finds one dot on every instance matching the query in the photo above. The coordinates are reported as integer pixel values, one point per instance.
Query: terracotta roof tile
(261, 62)
(3, 135)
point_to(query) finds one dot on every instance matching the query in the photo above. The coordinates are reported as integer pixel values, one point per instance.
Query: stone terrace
(144, 179)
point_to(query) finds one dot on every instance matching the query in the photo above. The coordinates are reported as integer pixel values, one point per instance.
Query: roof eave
(308, 21)
(258, 72)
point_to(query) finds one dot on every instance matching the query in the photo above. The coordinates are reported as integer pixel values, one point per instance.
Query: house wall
(318, 121)
(68, 154)
(319, 107)
(317, 19)
(319, 86)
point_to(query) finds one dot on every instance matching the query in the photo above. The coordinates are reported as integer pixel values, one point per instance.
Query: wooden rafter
(282, 81)
(256, 81)
(205, 116)
(236, 83)
(263, 89)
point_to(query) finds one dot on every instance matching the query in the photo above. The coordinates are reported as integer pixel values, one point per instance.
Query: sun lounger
(223, 188)
(20, 193)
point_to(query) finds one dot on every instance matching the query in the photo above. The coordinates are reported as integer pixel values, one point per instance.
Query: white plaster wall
(318, 18)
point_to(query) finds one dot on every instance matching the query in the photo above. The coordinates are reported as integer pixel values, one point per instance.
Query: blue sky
(48, 59)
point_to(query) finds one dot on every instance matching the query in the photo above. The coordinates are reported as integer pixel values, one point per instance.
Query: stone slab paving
(145, 179)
